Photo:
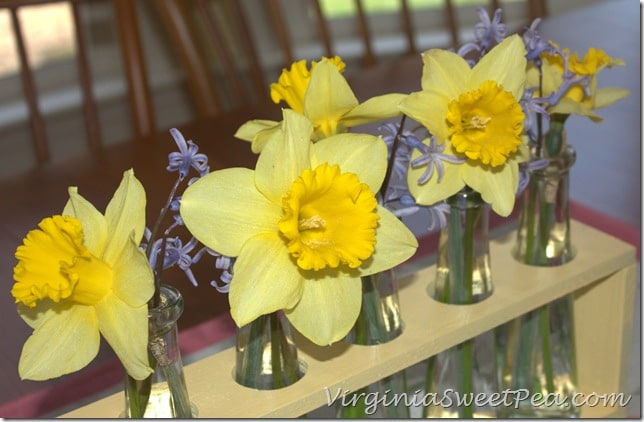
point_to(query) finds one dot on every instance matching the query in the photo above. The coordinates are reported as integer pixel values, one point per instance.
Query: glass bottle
(266, 356)
(543, 236)
(379, 322)
(163, 394)
(468, 370)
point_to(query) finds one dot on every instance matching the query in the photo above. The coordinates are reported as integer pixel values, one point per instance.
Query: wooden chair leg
(29, 87)
(135, 68)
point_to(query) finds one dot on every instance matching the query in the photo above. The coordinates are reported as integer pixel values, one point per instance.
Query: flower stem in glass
(267, 339)
(463, 278)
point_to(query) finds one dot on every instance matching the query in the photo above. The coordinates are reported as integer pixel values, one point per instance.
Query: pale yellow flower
(82, 274)
(475, 112)
(325, 97)
(305, 225)
(577, 100)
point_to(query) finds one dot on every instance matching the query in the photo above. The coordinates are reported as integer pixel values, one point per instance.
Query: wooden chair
(203, 34)
(217, 50)
(135, 67)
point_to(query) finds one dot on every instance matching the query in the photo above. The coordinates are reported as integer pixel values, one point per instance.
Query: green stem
(466, 353)
(291, 363)
(554, 142)
(471, 220)
(373, 312)
(461, 244)
(251, 364)
(546, 223)
(359, 411)
(429, 381)
(395, 383)
(544, 319)
(178, 392)
(471, 217)
(138, 393)
(533, 191)
(275, 351)
(455, 254)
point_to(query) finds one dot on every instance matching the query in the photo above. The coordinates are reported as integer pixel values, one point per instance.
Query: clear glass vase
(379, 322)
(456, 376)
(163, 394)
(539, 352)
(266, 356)
(543, 236)
(540, 364)
(463, 272)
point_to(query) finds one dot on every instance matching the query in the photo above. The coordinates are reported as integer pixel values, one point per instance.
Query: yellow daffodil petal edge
(65, 342)
(264, 281)
(130, 345)
(328, 309)
(124, 214)
(224, 209)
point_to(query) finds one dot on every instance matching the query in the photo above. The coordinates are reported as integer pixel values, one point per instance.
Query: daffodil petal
(133, 279)
(497, 186)
(511, 74)
(224, 209)
(428, 108)
(328, 95)
(65, 342)
(248, 130)
(264, 137)
(377, 108)
(568, 106)
(130, 345)
(606, 96)
(93, 222)
(124, 213)
(265, 279)
(285, 157)
(395, 244)
(328, 308)
(351, 151)
(444, 72)
(259, 132)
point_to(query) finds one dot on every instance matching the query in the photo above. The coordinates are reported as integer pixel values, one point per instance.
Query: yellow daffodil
(325, 97)
(474, 113)
(577, 100)
(82, 274)
(305, 225)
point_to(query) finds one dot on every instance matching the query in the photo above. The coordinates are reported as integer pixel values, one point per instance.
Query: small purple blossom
(408, 141)
(186, 157)
(172, 249)
(534, 44)
(489, 33)
(224, 263)
(531, 108)
(437, 212)
(433, 157)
